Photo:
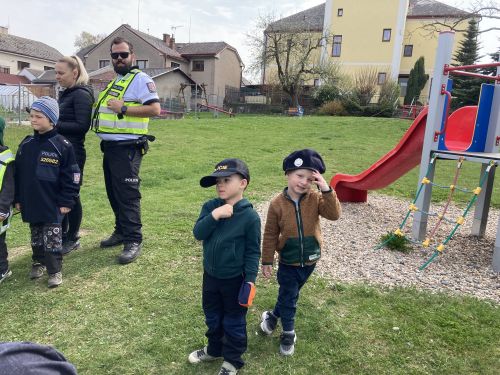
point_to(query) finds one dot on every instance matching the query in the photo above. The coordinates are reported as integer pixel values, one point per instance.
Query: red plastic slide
(401, 159)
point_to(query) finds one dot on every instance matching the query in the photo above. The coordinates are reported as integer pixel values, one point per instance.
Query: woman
(75, 111)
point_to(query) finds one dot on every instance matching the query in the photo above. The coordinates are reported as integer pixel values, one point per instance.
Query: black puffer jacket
(75, 112)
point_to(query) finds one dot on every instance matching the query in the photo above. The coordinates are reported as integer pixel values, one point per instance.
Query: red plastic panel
(460, 129)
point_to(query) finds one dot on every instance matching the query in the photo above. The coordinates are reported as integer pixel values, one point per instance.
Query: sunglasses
(123, 55)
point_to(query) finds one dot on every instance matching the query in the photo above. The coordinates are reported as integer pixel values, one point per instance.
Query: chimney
(4, 30)
(166, 38)
(171, 44)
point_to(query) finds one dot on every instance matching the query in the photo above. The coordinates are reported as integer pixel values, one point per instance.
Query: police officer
(121, 121)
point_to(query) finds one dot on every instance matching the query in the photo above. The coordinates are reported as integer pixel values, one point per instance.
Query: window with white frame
(103, 63)
(340, 12)
(142, 64)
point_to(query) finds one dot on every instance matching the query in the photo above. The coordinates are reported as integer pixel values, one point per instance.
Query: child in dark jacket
(6, 200)
(47, 181)
(230, 230)
(293, 230)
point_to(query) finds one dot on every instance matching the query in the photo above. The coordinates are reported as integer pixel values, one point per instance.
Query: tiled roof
(6, 78)
(82, 52)
(431, 8)
(28, 47)
(312, 19)
(156, 72)
(35, 72)
(47, 76)
(204, 48)
(159, 44)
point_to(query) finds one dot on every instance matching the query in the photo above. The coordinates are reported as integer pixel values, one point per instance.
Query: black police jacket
(75, 112)
(47, 177)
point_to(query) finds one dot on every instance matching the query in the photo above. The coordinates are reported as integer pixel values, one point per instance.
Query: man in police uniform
(121, 121)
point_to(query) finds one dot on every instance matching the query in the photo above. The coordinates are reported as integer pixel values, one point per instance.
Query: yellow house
(386, 36)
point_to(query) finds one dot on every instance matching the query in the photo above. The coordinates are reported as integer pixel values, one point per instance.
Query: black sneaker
(4, 275)
(131, 250)
(268, 323)
(69, 246)
(287, 343)
(113, 240)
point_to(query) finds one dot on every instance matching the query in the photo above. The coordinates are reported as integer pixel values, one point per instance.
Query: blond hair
(74, 62)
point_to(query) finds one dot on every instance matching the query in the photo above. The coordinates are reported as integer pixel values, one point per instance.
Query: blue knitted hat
(48, 106)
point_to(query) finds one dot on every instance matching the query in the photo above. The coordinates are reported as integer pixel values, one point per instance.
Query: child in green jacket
(230, 230)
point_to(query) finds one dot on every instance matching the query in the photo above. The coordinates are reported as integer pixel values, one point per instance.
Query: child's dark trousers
(225, 319)
(46, 243)
(291, 279)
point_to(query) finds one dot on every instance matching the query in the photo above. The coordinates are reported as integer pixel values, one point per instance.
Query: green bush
(389, 97)
(325, 93)
(395, 242)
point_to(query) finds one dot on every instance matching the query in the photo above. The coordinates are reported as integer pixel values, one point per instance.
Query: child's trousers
(225, 319)
(291, 279)
(46, 243)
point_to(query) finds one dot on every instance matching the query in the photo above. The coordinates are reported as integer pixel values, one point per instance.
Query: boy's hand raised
(320, 181)
(223, 212)
(267, 270)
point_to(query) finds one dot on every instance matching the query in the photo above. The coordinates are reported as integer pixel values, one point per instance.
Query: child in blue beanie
(6, 200)
(47, 182)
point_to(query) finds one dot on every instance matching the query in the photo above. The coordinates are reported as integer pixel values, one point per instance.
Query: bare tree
(477, 9)
(290, 53)
(86, 39)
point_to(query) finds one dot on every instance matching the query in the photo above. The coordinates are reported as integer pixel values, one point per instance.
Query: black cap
(304, 159)
(226, 167)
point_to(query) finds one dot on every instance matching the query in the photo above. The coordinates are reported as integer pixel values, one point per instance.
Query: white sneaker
(5, 275)
(201, 355)
(268, 322)
(228, 369)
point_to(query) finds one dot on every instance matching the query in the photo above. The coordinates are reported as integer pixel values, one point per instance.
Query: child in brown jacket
(293, 231)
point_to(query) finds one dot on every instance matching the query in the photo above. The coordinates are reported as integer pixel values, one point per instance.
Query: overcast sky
(58, 22)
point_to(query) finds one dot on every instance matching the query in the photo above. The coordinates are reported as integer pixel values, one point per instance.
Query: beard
(122, 69)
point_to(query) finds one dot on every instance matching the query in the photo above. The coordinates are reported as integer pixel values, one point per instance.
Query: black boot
(70, 245)
(113, 240)
(131, 250)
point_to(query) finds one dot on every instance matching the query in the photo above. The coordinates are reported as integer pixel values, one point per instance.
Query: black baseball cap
(226, 167)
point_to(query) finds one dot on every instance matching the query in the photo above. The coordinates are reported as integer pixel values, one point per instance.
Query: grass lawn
(146, 317)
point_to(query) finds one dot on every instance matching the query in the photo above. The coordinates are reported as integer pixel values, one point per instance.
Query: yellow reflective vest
(107, 121)
(6, 157)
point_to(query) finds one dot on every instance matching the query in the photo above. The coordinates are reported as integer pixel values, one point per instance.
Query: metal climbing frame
(434, 125)
(439, 248)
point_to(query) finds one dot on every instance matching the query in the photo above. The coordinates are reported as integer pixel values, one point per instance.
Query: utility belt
(142, 143)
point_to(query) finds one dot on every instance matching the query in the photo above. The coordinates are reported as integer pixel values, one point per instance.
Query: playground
(145, 318)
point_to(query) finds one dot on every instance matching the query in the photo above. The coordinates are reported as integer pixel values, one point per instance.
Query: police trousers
(121, 164)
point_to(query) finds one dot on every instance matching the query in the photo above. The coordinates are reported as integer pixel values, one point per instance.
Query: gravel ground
(348, 253)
